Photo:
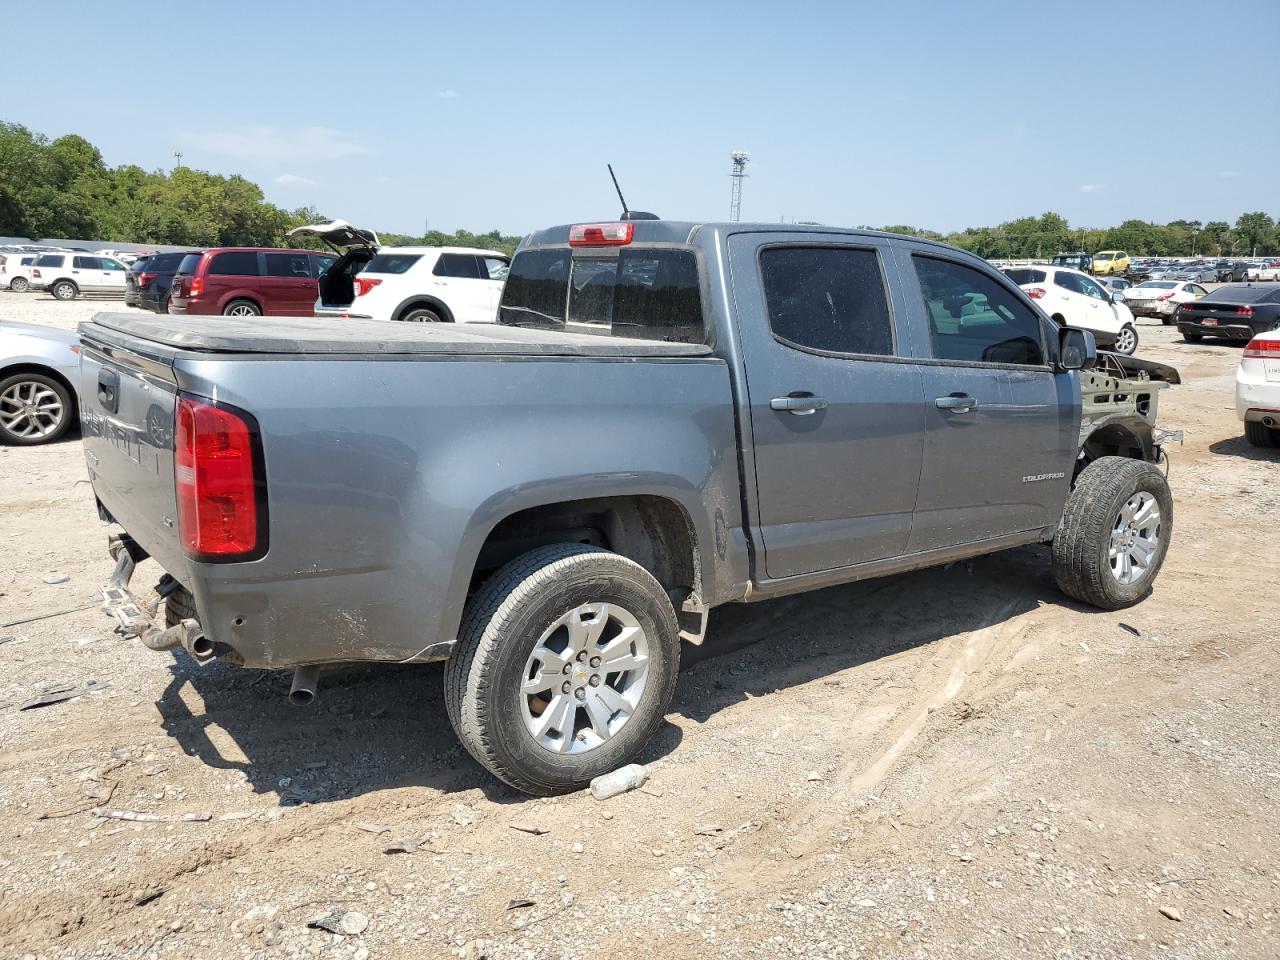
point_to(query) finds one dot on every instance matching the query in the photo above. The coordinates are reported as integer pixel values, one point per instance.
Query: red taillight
(217, 471)
(1263, 349)
(195, 286)
(1244, 311)
(601, 234)
(35, 273)
(145, 278)
(364, 285)
(1165, 296)
(1035, 293)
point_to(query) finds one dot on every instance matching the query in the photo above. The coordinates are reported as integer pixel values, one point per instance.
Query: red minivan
(248, 282)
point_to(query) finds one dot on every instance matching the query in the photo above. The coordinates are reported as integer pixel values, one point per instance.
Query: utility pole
(178, 156)
(737, 172)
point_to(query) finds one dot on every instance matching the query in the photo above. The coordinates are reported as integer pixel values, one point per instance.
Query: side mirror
(1077, 350)
(1117, 296)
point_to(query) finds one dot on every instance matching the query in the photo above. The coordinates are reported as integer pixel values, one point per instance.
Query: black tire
(19, 284)
(1081, 562)
(421, 315)
(15, 438)
(64, 290)
(178, 606)
(1260, 435)
(1193, 337)
(500, 629)
(242, 308)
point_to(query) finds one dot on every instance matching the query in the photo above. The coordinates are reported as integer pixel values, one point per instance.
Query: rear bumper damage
(140, 617)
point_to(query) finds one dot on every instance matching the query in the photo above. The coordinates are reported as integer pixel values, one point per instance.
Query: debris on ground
(54, 579)
(63, 694)
(631, 777)
(347, 923)
(536, 829)
(140, 816)
(1173, 913)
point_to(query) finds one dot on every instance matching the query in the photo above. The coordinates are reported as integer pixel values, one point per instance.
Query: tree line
(62, 188)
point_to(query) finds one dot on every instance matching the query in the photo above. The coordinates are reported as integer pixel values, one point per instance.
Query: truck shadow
(382, 727)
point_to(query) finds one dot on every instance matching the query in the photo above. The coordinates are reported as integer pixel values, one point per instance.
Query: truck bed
(313, 335)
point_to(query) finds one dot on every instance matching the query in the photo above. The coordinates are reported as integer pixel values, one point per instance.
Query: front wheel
(64, 290)
(564, 666)
(34, 409)
(1127, 340)
(1114, 533)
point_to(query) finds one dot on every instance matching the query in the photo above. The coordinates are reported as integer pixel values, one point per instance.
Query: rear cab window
(648, 293)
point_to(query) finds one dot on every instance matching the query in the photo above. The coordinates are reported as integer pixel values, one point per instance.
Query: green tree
(1256, 230)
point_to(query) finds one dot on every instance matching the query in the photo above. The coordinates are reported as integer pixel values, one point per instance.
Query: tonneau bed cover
(311, 335)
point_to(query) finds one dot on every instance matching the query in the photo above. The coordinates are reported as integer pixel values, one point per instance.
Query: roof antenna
(628, 214)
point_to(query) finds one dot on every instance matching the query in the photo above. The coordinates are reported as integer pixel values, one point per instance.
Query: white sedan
(1075, 299)
(1160, 298)
(1258, 390)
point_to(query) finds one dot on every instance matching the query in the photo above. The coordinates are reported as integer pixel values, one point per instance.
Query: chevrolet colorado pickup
(667, 417)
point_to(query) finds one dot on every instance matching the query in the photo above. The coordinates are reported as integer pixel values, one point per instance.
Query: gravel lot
(953, 763)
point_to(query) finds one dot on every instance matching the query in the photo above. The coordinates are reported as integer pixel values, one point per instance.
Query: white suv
(67, 275)
(422, 284)
(1075, 299)
(15, 270)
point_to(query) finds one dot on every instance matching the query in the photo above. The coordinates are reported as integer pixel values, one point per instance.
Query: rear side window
(396, 263)
(1021, 275)
(974, 318)
(189, 263)
(643, 293)
(49, 260)
(236, 263)
(827, 298)
(87, 263)
(460, 265)
(296, 265)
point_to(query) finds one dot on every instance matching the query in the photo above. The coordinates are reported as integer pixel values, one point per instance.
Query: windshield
(646, 293)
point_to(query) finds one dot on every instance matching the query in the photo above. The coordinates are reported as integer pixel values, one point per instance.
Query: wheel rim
(64, 292)
(1126, 341)
(584, 679)
(242, 310)
(18, 284)
(1135, 538)
(422, 316)
(30, 410)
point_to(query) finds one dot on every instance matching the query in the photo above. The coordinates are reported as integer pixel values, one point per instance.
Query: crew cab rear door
(1002, 426)
(836, 408)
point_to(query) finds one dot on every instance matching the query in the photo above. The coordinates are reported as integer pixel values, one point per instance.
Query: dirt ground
(953, 763)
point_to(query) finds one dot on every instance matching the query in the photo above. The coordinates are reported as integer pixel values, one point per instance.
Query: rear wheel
(1193, 337)
(421, 315)
(241, 308)
(19, 284)
(1114, 533)
(1127, 340)
(564, 667)
(34, 409)
(64, 290)
(1260, 435)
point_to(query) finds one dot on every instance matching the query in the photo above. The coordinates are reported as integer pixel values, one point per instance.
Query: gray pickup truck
(665, 418)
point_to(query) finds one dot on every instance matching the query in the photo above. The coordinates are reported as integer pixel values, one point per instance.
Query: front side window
(496, 268)
(974, 318)
(463, 266)
(830, 299)
(296, 265)
(1091, 288)
(237, 263)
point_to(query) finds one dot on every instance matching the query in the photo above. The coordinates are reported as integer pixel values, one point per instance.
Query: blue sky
(497, 115)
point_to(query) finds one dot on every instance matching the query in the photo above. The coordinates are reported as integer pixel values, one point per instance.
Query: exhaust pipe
(1268, 421)
(198, 646)
(306, 680)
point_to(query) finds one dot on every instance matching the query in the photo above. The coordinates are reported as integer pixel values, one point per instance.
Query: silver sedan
(38, 370)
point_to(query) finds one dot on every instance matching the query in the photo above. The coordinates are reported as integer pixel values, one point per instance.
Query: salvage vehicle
(414, 284)
(667, 417)
(1161, 298)
(1073, 298)
(1258, 390)
(38, 368)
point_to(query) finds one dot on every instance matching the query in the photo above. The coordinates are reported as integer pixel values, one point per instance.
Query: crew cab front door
(836, 411)
(1001, 425)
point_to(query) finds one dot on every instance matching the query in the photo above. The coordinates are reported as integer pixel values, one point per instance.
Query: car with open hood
(411, 283)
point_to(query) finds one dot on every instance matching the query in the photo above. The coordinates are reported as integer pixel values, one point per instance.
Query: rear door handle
(956, 403)
(800, 404)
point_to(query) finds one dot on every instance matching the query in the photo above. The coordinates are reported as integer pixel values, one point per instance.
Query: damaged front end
(1120, 400)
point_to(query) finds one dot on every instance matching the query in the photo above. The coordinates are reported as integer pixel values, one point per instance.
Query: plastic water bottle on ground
(630, 777)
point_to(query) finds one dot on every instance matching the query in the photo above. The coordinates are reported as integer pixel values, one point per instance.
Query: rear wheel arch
(431, 303)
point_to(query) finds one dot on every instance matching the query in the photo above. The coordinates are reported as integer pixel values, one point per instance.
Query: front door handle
(800, 404)
(956, 403)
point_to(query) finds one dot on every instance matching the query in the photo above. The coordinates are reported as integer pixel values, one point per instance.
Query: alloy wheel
(1135, 538)
(30, 410)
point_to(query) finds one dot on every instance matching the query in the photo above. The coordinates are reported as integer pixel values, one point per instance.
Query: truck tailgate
(128, 395)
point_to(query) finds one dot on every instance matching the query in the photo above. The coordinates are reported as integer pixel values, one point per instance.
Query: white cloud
(447, 94)
(1228, 174)
(293, 180)
(278, 146)
(1090, 187)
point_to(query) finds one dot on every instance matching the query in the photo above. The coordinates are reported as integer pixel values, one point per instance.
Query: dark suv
(1231, 271)
(148, 281)
(248, 282)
